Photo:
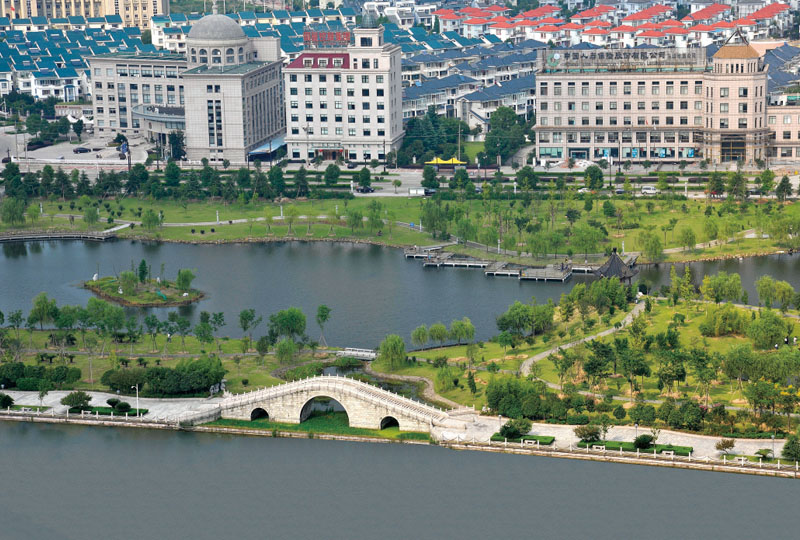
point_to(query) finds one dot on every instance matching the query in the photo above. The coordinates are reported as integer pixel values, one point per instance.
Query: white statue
(94, 277)
(119, 290)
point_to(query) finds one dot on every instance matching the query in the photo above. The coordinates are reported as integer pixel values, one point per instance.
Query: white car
(649, 190)
(584, 190)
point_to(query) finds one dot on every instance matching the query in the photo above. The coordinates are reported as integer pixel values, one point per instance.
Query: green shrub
(122, 407)
(643, 442)
(6, 401)
(578, 419)
(515, 428)
(28, 384)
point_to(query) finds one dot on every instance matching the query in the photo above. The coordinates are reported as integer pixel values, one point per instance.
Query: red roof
(541, 11)
(593, 12)
(702, 28)
(623, 28)
(744, 21)
(299, 62)
(551, 20)
(450, 17)
(571, 26)
(676, 30)
(670, 22)
(767, 12)
(470, 9)
(650, 33)
(595, 32)
(648, 26)
(503, 25)
(649, 13)
(442, 12)
(476, 21)
(724, 24)
(497, 9)
(599, 24)
(708, 12)
(549, 28)
(499, 18)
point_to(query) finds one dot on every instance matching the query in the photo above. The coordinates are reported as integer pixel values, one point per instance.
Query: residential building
(131, 12)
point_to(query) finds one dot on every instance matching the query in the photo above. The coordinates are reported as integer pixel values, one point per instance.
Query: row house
(441, 94)
(518, 94)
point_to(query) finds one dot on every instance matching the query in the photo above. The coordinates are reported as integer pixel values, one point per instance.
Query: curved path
(428, 390)
(525, 368)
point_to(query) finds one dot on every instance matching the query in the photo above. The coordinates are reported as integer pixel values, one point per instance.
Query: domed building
(225, 95)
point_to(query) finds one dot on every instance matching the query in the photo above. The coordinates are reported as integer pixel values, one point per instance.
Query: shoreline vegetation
(146, 294)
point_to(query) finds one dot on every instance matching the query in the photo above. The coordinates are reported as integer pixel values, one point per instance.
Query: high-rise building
(132, 12)
(344, 96)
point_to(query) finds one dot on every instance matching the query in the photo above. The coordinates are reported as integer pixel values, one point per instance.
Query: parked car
(351, 165)
(649, 190)
(429, 192)
(6, 159)
(366, 189)
(583, 190)
(81, 150)
(619, 191)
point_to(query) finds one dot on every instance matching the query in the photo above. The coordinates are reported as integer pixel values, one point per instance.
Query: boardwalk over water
(435, 257)
(56, 235)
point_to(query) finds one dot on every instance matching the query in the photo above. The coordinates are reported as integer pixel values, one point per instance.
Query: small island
(139, 289)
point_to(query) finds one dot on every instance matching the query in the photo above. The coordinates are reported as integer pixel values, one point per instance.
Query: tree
(289, 322)
(505, 134)
(12, 211)
(593, 177)
(767, 181)
(473, 388)
(323, 314)
(396, 183)
(44, 310)
(765, 287)
(429, 178)
(364, 178)
(331, 174)
(6, 401)
(248, 321)
(784, 189)
(292, 213)
(90, 216)
(716, 184)
(177, 144)
(355, 220)
(438, 332)
(143, 271)
(77, 128)
(725, 445)
(33, 124)
(127, 280)
(392, 352)
(791, 448)
(419, 336)
(585, 238)
(589, 433)
(184, 279)
(651, 246)
(204, 333)
(285, 350)
(44, 388)
(77, 400)
(172, 174)
(737, 186)
(276, 180)
(150, 220)
(153, 325)
(686, 237)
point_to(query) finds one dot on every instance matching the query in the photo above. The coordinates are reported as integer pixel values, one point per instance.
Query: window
(337, 91)
(787, 119)
(351, 119)
(723, 92)
(742, 107)
(292, 90)
(365, 119)
(309, 104)
(684, 105)
(351, 79)
(787, 135)
(655, 105)
(365, 92)
(640, 105)
(770, 120)
(742, 91)
(379, 92)
(723, 123)
(626, 89)
(351, 132)
(365, 79)
(292, 104)
(308, 91)
(742, 123)
(640, 88)
(379, 79)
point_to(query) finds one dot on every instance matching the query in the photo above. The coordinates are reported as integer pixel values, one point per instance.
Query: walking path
(525, 368)
(428, 390)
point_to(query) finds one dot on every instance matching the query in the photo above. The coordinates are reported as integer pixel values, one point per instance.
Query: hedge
(754, 435)
(543, 439)
(627, 446)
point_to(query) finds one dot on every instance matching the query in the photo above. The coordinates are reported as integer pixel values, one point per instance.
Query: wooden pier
(551, 272)
(582, 268)
(56, 235)
(503, 269)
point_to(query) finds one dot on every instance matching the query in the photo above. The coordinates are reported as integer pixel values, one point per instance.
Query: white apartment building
(344, 97)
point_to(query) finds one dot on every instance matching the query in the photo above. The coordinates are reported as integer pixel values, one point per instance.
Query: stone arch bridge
(367, 406)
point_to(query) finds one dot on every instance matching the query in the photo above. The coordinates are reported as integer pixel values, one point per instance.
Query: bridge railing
(353, 387)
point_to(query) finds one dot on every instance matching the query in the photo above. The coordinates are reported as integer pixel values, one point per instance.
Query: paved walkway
(525, 368)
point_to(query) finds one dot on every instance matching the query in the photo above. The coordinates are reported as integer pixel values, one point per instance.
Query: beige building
(653, 104)
(132, 12)
(226, 95)
(234, 98)
(344, 97)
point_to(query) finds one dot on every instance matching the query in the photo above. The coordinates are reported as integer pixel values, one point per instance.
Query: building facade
(133, 12)
(226, 94)
(345, 98)
(653, 104)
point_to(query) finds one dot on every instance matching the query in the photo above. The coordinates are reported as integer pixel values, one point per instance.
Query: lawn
(335, 423)
(471, 149)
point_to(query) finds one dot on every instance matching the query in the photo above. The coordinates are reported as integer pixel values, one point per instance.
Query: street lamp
(137, 399)
(636, 427)
(773, 446)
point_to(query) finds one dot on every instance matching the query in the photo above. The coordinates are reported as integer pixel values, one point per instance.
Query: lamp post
(773, 447)
(137, 399)
(636, 427)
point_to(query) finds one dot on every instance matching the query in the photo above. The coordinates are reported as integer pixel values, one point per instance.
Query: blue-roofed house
(441, 94)
(477, 107)
(6, 77)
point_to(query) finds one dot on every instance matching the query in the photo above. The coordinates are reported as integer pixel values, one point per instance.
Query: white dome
(216, 28)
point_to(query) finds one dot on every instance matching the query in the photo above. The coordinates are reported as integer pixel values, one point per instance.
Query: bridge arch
(322, 403)
(389, 421)
(258, 413)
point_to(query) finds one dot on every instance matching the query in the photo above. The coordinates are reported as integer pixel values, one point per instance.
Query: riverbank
(658, 460)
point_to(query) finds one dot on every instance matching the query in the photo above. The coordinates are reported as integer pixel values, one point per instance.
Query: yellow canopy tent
(454, 161)
(436, 161)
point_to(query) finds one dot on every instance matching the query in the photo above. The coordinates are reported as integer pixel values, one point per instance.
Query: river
(74, 482)
(373, 290)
